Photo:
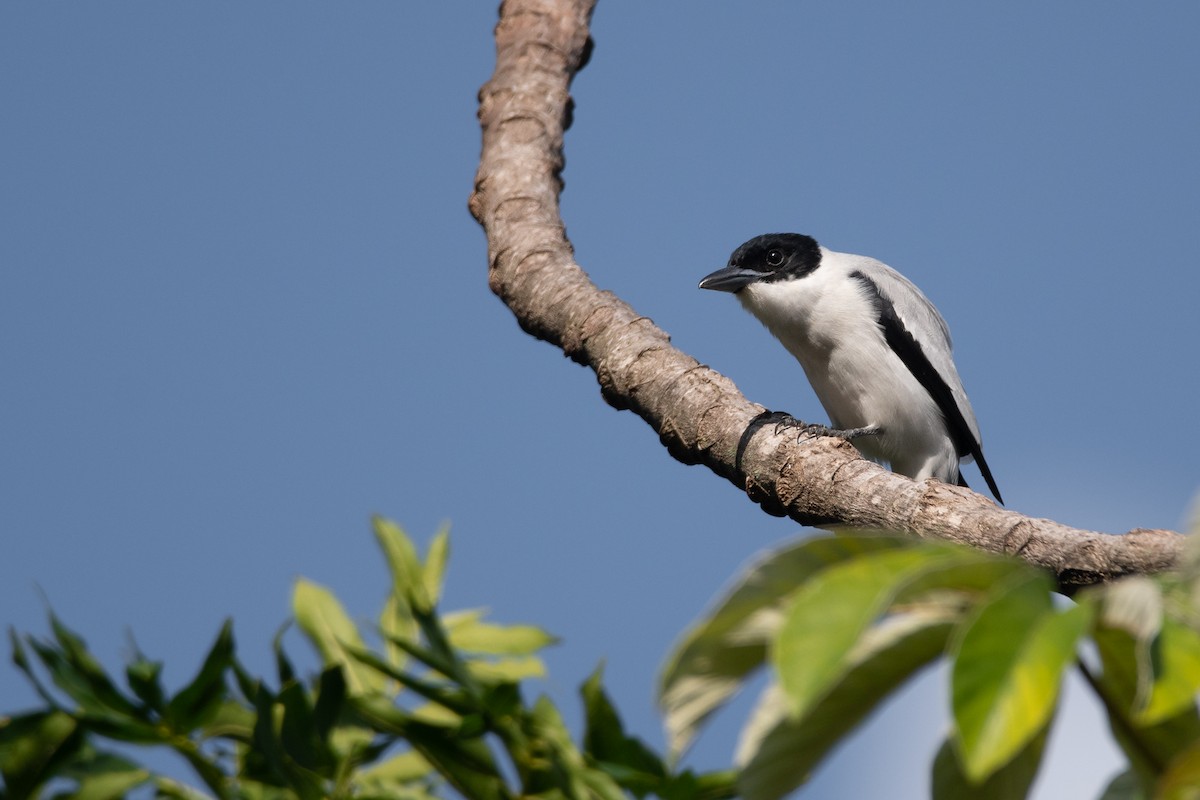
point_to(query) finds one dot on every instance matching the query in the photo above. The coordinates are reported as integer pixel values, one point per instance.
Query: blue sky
(243, 306)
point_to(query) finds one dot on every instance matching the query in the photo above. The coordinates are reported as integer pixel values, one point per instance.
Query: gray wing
(918, 335)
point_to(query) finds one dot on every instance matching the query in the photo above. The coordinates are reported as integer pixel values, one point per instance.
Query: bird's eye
(774, 258)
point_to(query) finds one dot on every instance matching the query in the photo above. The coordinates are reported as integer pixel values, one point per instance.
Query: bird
(876, 351)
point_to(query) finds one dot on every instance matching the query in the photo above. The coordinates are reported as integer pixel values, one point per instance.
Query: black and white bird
(875, 350)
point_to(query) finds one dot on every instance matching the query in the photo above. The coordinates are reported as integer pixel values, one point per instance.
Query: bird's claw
(813, 430)
(808, 430)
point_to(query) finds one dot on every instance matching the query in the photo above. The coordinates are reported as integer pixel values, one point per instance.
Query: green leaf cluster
(844, 621)
(415, 705)
(421, 703)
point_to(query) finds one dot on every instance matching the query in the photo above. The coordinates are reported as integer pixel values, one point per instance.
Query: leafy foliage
(437, 705)
(845, 621)
(425, 703)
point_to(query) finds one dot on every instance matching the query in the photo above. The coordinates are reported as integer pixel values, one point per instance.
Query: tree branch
(699, 414)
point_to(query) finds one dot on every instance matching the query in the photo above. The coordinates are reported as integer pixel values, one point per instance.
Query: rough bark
(699, 414)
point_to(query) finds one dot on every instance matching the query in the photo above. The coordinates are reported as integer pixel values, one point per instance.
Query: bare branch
(699, 414)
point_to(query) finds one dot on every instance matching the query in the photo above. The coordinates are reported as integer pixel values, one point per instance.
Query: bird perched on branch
(875, 350)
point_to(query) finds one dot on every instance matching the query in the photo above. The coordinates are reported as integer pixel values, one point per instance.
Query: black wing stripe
(910, 353)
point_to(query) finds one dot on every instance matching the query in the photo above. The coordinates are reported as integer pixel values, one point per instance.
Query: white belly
(885, 395)
(860, 381)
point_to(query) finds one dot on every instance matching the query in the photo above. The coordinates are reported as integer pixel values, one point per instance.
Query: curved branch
(699, 414)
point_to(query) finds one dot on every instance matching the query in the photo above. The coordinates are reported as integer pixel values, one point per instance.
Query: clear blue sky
(243, 306)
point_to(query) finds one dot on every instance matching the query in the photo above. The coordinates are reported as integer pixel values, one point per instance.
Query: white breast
(830, 324)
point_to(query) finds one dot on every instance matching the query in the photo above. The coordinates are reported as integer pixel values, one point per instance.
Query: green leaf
(145, 680)
(1176, 673)
(166, 787)
(470, 634)
(283, 665)
(441, 692)
(594, 783)
(1133, 605)
(1149, 747)
(255, 790)
(99, 688)
(75, 672)
(467, 764)
(408, 576)
(247, 684)
(104, 776)
(120, 728)
(264, 761)
(570, 773)
(626, 758)
(435, 661)
(434, 570)
(707, 667)
(502, 700)
(396, 622)
(778, 752)
(233, 720)
(721, 785)
(33, 747)
(100, 706)
(269, 761)
(509, 670)
(392, 776)
(21, 660)
(1010, 782)
(331, 697)
(298, 730)
(1008, 662)
(833, 610)
(201, 699)
(437, 714)
(354, 744)
(326, 624)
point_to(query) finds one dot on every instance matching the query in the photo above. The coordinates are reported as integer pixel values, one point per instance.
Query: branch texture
(700, 416)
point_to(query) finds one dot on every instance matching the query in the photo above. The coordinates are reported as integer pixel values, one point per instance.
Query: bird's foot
(812, 430)
(808, 430)
(847, 434)
(755, 425)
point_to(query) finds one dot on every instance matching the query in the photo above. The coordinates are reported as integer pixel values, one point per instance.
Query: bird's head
(769, 258)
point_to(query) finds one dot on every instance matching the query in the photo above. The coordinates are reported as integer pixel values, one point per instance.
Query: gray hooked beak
(730, 279)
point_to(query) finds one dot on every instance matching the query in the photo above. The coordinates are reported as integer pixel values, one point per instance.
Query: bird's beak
(730, 279)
